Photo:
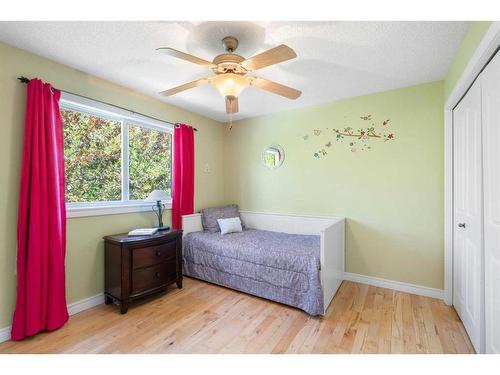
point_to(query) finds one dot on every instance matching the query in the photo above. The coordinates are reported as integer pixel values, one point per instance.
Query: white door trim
(484, 52)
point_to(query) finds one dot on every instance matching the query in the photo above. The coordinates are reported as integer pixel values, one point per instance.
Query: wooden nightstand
(139, 266)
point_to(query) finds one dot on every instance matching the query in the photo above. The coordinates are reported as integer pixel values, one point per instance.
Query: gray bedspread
(277, 266)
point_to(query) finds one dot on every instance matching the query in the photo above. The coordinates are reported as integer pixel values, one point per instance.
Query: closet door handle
(461, 225)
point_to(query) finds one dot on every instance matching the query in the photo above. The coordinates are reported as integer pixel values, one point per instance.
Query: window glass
(92, 153)
(150, 161)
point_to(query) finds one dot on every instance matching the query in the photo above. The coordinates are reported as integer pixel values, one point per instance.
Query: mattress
(278, 266)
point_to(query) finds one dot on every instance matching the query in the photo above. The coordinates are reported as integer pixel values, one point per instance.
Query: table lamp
(158, 196)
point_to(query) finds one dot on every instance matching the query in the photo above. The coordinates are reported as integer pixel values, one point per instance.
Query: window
(113, 158)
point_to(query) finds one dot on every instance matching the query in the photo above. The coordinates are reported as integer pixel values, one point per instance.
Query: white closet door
(468, 214)
(490, 84)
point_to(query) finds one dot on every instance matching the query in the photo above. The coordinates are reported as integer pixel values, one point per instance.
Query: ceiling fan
(231, 71)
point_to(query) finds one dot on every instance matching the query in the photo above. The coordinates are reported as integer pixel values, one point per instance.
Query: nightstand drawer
(149, 256)
(154, 276)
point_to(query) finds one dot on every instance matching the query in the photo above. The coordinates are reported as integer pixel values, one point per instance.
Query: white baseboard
(396, 285)
(73, 308)
(85, 304)
(5, 334)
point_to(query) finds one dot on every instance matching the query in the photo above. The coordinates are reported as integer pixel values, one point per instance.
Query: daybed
(292, 259)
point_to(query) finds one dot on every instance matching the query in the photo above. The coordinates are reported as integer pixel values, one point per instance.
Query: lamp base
(162, 228)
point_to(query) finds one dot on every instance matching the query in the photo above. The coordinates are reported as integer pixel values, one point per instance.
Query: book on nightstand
(143, 232)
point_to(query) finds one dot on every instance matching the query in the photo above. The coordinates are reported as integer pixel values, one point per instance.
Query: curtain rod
(26, 80)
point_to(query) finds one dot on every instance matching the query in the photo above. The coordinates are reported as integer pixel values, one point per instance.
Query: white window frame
(127, 118)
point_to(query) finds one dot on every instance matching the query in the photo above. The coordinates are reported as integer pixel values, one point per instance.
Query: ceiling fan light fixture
(229, 84)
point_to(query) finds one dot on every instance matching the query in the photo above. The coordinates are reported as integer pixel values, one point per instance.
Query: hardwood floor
(205, 318)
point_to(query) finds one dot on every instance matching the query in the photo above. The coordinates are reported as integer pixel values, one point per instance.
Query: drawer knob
(158, 253)
(157, 274)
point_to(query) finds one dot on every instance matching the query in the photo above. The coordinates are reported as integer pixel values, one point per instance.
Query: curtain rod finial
(23, 79)
(177, 125)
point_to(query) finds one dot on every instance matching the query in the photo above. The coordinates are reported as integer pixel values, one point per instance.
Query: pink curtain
(41, 224)
(183, 174)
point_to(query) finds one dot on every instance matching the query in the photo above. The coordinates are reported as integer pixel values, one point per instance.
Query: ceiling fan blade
(185, 56)
(270, 57)
(275, 88)
(231, 105)
(184, 87)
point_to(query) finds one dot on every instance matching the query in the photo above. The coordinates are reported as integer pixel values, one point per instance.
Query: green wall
(84, 260)
(472, 38)
(391, 194)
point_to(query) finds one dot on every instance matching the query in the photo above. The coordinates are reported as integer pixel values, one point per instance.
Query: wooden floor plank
(397, 341)
(206, 318)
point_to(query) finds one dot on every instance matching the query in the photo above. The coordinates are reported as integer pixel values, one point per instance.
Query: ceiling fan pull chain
(230, 101)
(231, 116)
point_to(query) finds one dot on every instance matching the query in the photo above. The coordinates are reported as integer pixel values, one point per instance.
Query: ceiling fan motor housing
(229, 63)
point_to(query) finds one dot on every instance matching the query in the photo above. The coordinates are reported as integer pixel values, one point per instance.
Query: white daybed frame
(330, 229)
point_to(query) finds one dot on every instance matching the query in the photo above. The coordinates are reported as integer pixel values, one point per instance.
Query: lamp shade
(157, 195)
(229, 84)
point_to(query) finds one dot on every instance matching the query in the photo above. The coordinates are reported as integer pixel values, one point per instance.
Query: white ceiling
(335, 59)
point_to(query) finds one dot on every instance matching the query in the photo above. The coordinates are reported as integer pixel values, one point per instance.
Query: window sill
(109, 210)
